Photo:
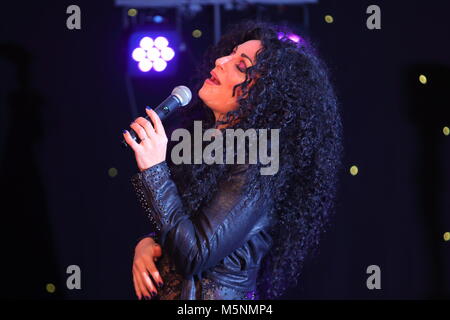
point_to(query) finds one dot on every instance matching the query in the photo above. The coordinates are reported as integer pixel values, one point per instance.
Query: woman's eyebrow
(246, 56)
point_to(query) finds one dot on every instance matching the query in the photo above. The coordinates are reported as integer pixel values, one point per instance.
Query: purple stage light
(167, 53)
(153, 53)
(146, 43)
(161, 42)
(138, 54)
(159, 65)
(145, 65)
(292, 36)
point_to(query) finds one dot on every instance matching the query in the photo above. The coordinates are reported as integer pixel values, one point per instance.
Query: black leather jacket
(217, 253)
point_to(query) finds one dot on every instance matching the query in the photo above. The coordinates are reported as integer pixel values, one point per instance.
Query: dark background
(63, 105)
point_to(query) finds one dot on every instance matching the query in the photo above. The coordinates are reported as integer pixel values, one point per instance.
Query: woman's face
(217, 91)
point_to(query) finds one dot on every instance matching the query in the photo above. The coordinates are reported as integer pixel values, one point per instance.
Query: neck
(221, 117)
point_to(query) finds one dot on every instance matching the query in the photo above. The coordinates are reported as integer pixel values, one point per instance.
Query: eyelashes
(240, 69)
(243, 70)
(237, 66)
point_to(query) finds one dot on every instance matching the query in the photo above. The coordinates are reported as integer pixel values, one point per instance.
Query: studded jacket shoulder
(216, 253)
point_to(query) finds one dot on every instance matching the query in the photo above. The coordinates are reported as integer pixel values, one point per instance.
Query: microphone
(180, 96)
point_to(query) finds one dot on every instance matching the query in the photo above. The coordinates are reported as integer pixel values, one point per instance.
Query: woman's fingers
(148, 283)
(159, 128)
(141, 285)
(147, 126)
(130, 141)
(136, 287)
(140, 131)
(150, 266)
(157, 251)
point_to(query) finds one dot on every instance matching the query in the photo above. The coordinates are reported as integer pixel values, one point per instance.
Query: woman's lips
(210, 82)
(214, 78)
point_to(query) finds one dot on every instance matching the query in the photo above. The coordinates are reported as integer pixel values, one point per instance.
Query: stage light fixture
(152, 53)
(145, 65)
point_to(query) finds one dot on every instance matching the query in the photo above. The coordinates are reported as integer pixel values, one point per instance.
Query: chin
(202, 97)
(199, 93)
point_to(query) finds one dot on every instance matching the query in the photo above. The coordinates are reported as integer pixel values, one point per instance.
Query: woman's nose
(223, 60)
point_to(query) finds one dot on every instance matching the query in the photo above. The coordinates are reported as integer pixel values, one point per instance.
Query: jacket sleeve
(200, 241)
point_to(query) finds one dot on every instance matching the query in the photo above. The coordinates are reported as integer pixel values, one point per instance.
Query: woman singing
(226, 231)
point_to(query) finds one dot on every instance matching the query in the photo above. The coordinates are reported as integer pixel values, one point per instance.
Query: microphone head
(183, 94)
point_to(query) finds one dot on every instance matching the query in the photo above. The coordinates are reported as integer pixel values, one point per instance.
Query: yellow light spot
(329, 18)
(50, 287)
(446, 131)
(197, 33)
(132, 12)
(447, 236)
(353, 170)
(112, 172)
(423, 79)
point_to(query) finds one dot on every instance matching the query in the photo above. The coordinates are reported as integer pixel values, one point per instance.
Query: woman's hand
(152, 148)
(147, 251)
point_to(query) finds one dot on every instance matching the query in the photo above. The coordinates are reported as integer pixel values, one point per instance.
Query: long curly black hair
(292, 93)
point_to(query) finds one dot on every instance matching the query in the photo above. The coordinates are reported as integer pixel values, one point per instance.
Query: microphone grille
(183, 93)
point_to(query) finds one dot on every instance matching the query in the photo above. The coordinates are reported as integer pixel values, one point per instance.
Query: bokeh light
(132, 12)
(50, 287)
(354, 170)
(112, 172)
(423, 79)
(447, 236)
(446, 131)
(158, 19)
(329, 18)
(197, 33)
